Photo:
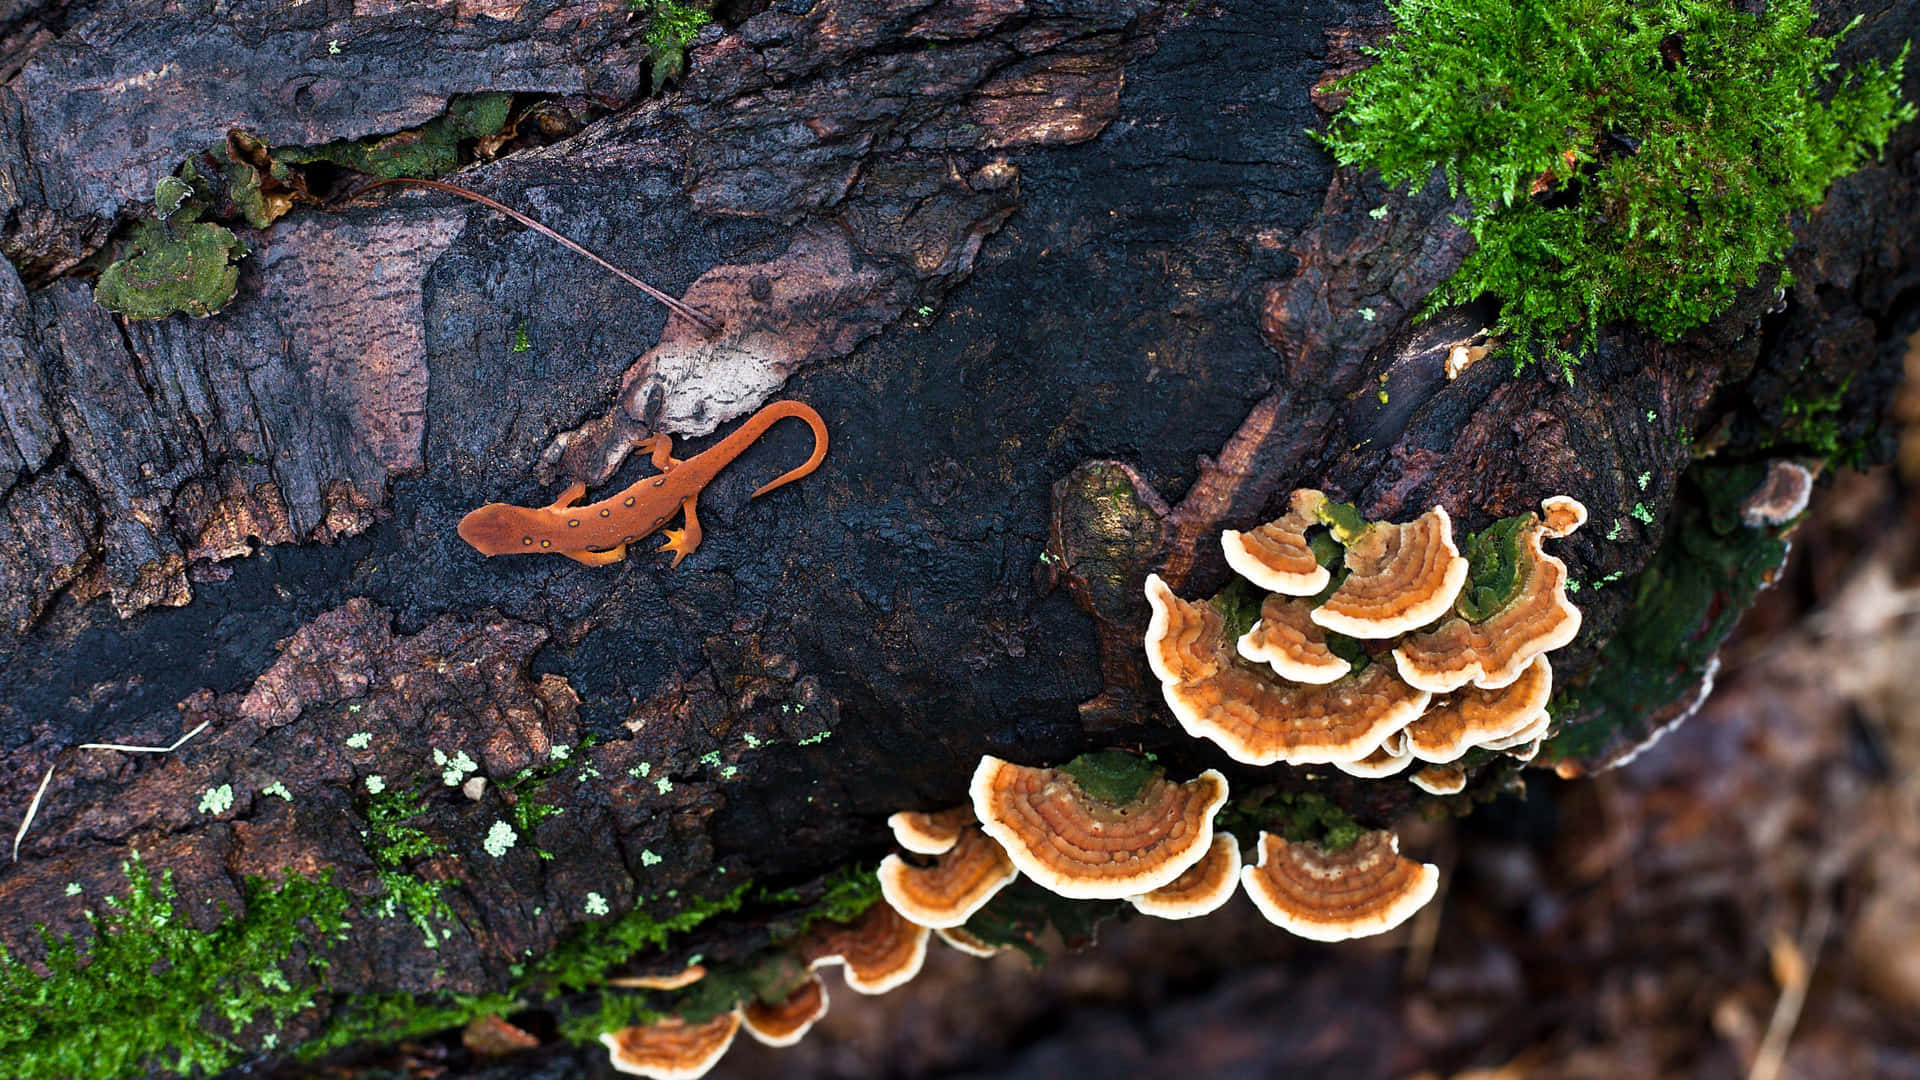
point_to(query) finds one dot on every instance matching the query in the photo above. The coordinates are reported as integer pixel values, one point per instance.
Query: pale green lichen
(360, 740)
(648, 858)
(500, 838)
(278, 790)
(663, 785)
(376, 784)
(596, 904)
(217, 800)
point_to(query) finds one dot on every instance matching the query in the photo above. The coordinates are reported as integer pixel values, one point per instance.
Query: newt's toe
(677, 543)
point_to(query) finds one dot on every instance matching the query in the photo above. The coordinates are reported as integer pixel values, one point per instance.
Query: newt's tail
(780, 410)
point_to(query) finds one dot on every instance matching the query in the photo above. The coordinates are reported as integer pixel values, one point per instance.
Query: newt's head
(503, 529)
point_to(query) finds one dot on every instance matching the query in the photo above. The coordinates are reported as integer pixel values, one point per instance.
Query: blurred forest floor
(1742, 901)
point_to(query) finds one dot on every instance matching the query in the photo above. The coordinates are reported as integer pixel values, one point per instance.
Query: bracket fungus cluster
(1379, 645)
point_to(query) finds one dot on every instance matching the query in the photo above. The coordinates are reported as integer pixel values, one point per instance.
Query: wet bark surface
(1070, 281)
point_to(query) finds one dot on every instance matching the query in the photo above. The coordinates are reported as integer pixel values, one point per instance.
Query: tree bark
(1070, 281)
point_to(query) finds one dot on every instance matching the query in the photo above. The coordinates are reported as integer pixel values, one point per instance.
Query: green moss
(148, 991)
(174, 265)
(671, 27)
(1816, 425)
(430, 150)
(1114, 777)
(1493, 556)
(1625, 161)
(1300, 817)
(583, 959)
(393, 844)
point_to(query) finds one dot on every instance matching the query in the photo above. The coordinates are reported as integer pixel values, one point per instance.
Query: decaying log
(1070, 281)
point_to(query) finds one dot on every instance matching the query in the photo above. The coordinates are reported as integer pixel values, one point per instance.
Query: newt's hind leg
(597, 558)
(660, 446)
(574, 493)
(682, 542)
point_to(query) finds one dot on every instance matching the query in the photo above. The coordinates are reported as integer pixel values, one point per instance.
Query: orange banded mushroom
(957, 884)
(686, 976)
(1532, 733)
(1536, 617)
(1202, 889)
(1331, 896)
(1255, 718)
(1288, 640)
(959, 937)
(672, 1049)
(1401, 577)
(1276, 555)
(1126, 839)
(1390, 759)
(929, 833)
(787, 1021)
(880, 949)
(1473, 717)
(1440, 779)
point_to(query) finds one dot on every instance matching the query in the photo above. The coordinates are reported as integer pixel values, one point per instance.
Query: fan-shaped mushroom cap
(1184, 640)
(1391, 758)
(960, 938)
(1562, 515)
(959, 883)
(1288, 640)
(1085, 848)
(673, 980)
(1259, 721)
(1332, 896)
(929, 833)
(880, 949)
(1401, 578)
(1532, 733)
(1276, 556)
(1492, 653)
(672, 1049)
(789, 1020)
(1474, 717)
(1440, 779)
(1201, 890)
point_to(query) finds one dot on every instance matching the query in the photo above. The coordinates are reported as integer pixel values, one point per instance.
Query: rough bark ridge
(1031, 259)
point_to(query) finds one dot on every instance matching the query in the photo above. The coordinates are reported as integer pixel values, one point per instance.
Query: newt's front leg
(660, 446)
(682, 542)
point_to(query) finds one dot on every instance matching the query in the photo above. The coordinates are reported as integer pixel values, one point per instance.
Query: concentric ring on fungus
(1331, 896)
(957, 884)
(1079, 847)
(787, 1021)
(1287, 640)
(1471, 717)
(672, 1049)
(1276, 555)
(1390, 759)
(1401, 577)
(1254, 717)
(930, 833)
(1491, 653)
(1202, 889)
(881, 949)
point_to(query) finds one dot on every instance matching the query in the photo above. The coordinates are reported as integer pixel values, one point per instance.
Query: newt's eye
(574, 524)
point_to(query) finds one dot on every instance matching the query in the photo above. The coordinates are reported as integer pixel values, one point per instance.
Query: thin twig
(675, 305)
(1772, 1056)
(32, 809)
(177, 743)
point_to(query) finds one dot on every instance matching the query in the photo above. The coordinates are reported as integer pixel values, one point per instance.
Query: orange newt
(598, 533)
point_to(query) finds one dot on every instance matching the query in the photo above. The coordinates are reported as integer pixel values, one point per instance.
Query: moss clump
(428, 151)
(1493, 556)
(1114, 777)
(1298, 816)
(172, 262)
(149, 991)
(393, 844)
(1625, 160)
(583, 960)
(671, 27)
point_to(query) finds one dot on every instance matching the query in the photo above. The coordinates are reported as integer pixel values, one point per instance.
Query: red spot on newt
(598, 534)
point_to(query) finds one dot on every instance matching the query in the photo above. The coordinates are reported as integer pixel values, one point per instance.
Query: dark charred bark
(1069, 280)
